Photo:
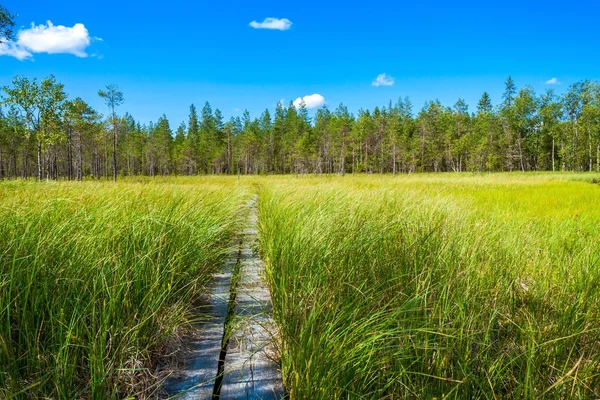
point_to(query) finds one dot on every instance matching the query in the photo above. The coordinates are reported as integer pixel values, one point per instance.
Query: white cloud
(51, 39)
(13, 50)
(55, 39)
(553, 81)
(311, 101)
(282, 24)
(383, 80)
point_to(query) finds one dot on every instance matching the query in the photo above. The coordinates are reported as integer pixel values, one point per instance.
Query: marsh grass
(422, 286)
(96, 278)
(435, 287)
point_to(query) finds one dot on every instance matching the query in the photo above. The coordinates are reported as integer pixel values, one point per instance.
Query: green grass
(424, 286)
(96, 278)
(436, 286)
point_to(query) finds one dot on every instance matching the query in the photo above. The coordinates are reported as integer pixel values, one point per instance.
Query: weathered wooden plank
(197, 378)
(250, 371)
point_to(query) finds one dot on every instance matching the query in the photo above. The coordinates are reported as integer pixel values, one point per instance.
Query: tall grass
(435, 287)
(96, 277)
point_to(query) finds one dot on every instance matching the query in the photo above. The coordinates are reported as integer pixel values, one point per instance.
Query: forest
(46, 135)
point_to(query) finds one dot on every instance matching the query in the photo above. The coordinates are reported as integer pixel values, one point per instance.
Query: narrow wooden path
(231, 354)
(250, 372)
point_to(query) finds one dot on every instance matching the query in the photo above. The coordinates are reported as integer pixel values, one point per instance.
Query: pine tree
(191, 151)
(178, 149)
(485, 103)
(510, 91)
(113, 98)
(207, 141)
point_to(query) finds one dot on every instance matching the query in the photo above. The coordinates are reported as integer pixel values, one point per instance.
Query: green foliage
(7, 23)
(526, 132)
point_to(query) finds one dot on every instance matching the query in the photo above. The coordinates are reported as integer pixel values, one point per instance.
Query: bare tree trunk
(55, 164)
(271, 152)
(520, 153)
(367, 165)
(394, 160)
(106, 156)
(591, 166)
(553, 154)
(39, 160)
(229, 155)
(598, 157)
(382, 153)
(1, 165)
(343, 158)
(509, 150)
(114, 145)
(574, 149)
(79, 158)
(15, 164)
(47, 163)
(69, 155)
(422, 150)
(25, 166)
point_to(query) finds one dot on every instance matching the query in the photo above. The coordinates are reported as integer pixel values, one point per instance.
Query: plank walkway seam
(249, 371)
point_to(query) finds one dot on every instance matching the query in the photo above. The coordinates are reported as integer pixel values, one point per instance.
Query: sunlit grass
(96, 277)
(419, 286)
(428, 286)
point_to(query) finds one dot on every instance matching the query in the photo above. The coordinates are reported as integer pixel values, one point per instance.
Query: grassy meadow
(436, 286)
(410, 286)
(96, 278)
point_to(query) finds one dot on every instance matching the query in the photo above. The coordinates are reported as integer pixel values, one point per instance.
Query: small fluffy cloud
(51, 39)
(280, 24)
(383, 80)
(310, 101)
(552, 81)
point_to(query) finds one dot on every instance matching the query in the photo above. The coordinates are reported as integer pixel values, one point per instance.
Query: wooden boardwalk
(250, 372)
(239, 364)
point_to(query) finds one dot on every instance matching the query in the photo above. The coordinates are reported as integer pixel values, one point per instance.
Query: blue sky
(167, 56)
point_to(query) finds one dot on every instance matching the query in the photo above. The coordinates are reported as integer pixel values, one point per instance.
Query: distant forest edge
(45, 135)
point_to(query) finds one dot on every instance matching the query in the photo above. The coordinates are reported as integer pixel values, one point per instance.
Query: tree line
(46, 135)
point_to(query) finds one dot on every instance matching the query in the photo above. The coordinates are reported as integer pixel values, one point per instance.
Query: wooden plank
(197, 378)
(250, 371)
